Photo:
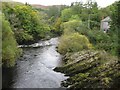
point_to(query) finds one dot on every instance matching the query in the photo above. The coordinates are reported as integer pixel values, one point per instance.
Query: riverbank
(35, 68)
(90, 69)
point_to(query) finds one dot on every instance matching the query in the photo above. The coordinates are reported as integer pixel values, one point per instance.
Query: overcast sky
(101, 3)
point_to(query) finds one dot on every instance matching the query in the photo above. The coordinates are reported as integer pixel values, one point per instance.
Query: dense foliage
(26, 22)
(96, 68)
(101, 40)
(115, 25)
(89, 53)
(53, 14)
(86, 18)
(73, 43)
(21, 24)
(10, 51)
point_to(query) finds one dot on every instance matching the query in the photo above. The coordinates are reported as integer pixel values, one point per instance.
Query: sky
(101, 3)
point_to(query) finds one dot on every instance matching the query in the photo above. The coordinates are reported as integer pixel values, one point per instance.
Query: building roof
(107, 19)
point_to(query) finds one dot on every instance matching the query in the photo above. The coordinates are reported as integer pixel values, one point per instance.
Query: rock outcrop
(90, 69)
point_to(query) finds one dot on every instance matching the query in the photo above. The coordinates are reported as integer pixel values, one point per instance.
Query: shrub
(22, 37)
(57, 24)
(73, 43)
(66, 14)
(10, 51)
(71, 26)
(25, 18)
(101, 40)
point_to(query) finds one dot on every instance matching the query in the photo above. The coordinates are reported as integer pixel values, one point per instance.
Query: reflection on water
(35, 68)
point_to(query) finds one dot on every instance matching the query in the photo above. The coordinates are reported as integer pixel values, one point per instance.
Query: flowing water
(35, 68)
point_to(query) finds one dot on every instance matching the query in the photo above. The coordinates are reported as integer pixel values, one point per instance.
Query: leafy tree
(53, 11)
(10, 51)
(66, 14)
(74, 17)
(89, 13)
(71, 26)
(58, 30)
(77, 7)
(115, 25)
(73, 42)
(25, 21)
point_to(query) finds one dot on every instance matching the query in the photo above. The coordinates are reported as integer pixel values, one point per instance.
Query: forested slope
(26, 22)
(10, 51)
(21, 24)
(91, 56)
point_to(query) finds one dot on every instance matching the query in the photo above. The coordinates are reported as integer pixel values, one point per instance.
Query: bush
(23, 38)
(71, 26)
(73, 43)
(57, 24)
(26, 22)
(10, 51)
(66, 14)
(101, 40)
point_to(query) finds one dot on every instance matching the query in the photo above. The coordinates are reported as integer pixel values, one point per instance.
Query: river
(35, 68)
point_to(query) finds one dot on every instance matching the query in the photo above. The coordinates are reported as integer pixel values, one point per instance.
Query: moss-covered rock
(90, 69)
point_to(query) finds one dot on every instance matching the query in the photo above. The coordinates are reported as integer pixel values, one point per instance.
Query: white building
(105, 24)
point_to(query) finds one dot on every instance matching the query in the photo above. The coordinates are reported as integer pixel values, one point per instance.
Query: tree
(73, 42)
(115, 26)
(77, 7)
(10, 51)
(66, 14)
(71, 26)
(57, 24)
(26, 22)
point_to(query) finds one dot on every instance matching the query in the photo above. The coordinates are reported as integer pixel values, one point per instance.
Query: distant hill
(45, 7)
(40, 6)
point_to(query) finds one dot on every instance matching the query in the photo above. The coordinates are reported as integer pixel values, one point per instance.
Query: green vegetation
(21, 24)
(53, 19)
(0, 40)
(73, 43)
(86, 18)
(10, 51)
(72, 25)
(115, 25)
(102, 41)
(90, 69)
(26, 22)
(66, 14)
(91, 56)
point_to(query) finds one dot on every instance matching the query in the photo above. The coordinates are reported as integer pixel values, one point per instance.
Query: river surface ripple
(35, 68)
